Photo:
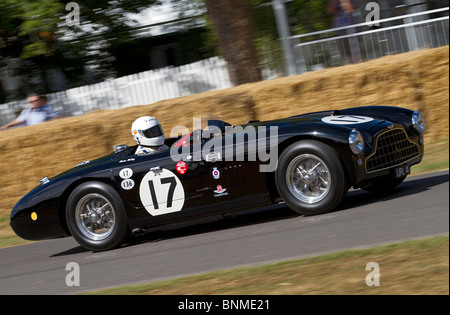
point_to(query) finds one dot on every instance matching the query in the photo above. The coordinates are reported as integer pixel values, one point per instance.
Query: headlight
(418, 122)
(356, 141)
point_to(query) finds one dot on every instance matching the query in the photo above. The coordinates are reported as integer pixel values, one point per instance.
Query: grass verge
(435, 159)
(412, 267)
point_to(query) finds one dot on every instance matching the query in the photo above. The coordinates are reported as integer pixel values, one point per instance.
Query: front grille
(392, 148)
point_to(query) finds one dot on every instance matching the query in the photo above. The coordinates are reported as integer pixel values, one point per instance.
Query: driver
(148, 134)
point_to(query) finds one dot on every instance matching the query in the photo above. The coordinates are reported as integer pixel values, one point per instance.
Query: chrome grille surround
(392, 148)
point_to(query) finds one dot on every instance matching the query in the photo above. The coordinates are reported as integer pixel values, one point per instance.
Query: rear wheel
(96, 216)
(310, 178)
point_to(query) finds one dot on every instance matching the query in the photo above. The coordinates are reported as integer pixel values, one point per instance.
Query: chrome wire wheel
(95, 217)
(308, 178)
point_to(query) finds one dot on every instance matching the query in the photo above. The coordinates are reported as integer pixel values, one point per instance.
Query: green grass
(414, 267)
(7, 236)
(435, 159)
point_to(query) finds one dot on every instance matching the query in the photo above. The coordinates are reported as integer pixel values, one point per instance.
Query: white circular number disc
(126, 173)
(161, 192)
(346, 120)
(127, 184)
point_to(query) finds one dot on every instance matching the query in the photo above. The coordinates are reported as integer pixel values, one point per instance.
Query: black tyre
(310, 178)
(96, 216)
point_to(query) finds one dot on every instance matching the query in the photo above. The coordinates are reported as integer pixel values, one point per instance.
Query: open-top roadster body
(307, 161)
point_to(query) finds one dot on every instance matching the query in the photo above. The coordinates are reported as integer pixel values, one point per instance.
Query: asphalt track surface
(418, 208)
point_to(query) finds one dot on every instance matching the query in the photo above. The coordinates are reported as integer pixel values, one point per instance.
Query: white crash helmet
(147, 131)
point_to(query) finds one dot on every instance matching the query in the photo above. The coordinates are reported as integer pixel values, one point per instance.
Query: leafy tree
(39, 25)
(36, 31)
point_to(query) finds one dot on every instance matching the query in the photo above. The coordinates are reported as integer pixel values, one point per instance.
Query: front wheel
(96, 216)
(310, 178)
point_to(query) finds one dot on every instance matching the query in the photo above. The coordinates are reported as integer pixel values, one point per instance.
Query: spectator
(343, 16)
(342, 11)
(39, 112)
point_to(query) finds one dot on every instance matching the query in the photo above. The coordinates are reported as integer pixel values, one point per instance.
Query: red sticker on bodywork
(181, 167)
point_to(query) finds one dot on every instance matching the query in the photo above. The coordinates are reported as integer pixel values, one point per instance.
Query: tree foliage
(37, 33)
(40, 23)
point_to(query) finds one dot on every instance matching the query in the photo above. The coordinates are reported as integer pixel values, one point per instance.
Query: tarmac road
(418, 208)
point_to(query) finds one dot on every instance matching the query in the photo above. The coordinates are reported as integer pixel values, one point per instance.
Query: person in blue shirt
(343, 13)
(38, 112)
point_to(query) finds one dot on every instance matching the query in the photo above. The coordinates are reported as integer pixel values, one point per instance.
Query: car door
(147, 181)
(164, 188)
(230, 172)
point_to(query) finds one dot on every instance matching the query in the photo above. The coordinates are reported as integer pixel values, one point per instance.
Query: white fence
(137, 89)
(357, 43)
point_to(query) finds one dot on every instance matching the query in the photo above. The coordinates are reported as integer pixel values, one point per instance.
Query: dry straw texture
(413, 80)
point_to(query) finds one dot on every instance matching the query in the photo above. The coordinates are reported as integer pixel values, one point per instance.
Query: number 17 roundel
(161, 192)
